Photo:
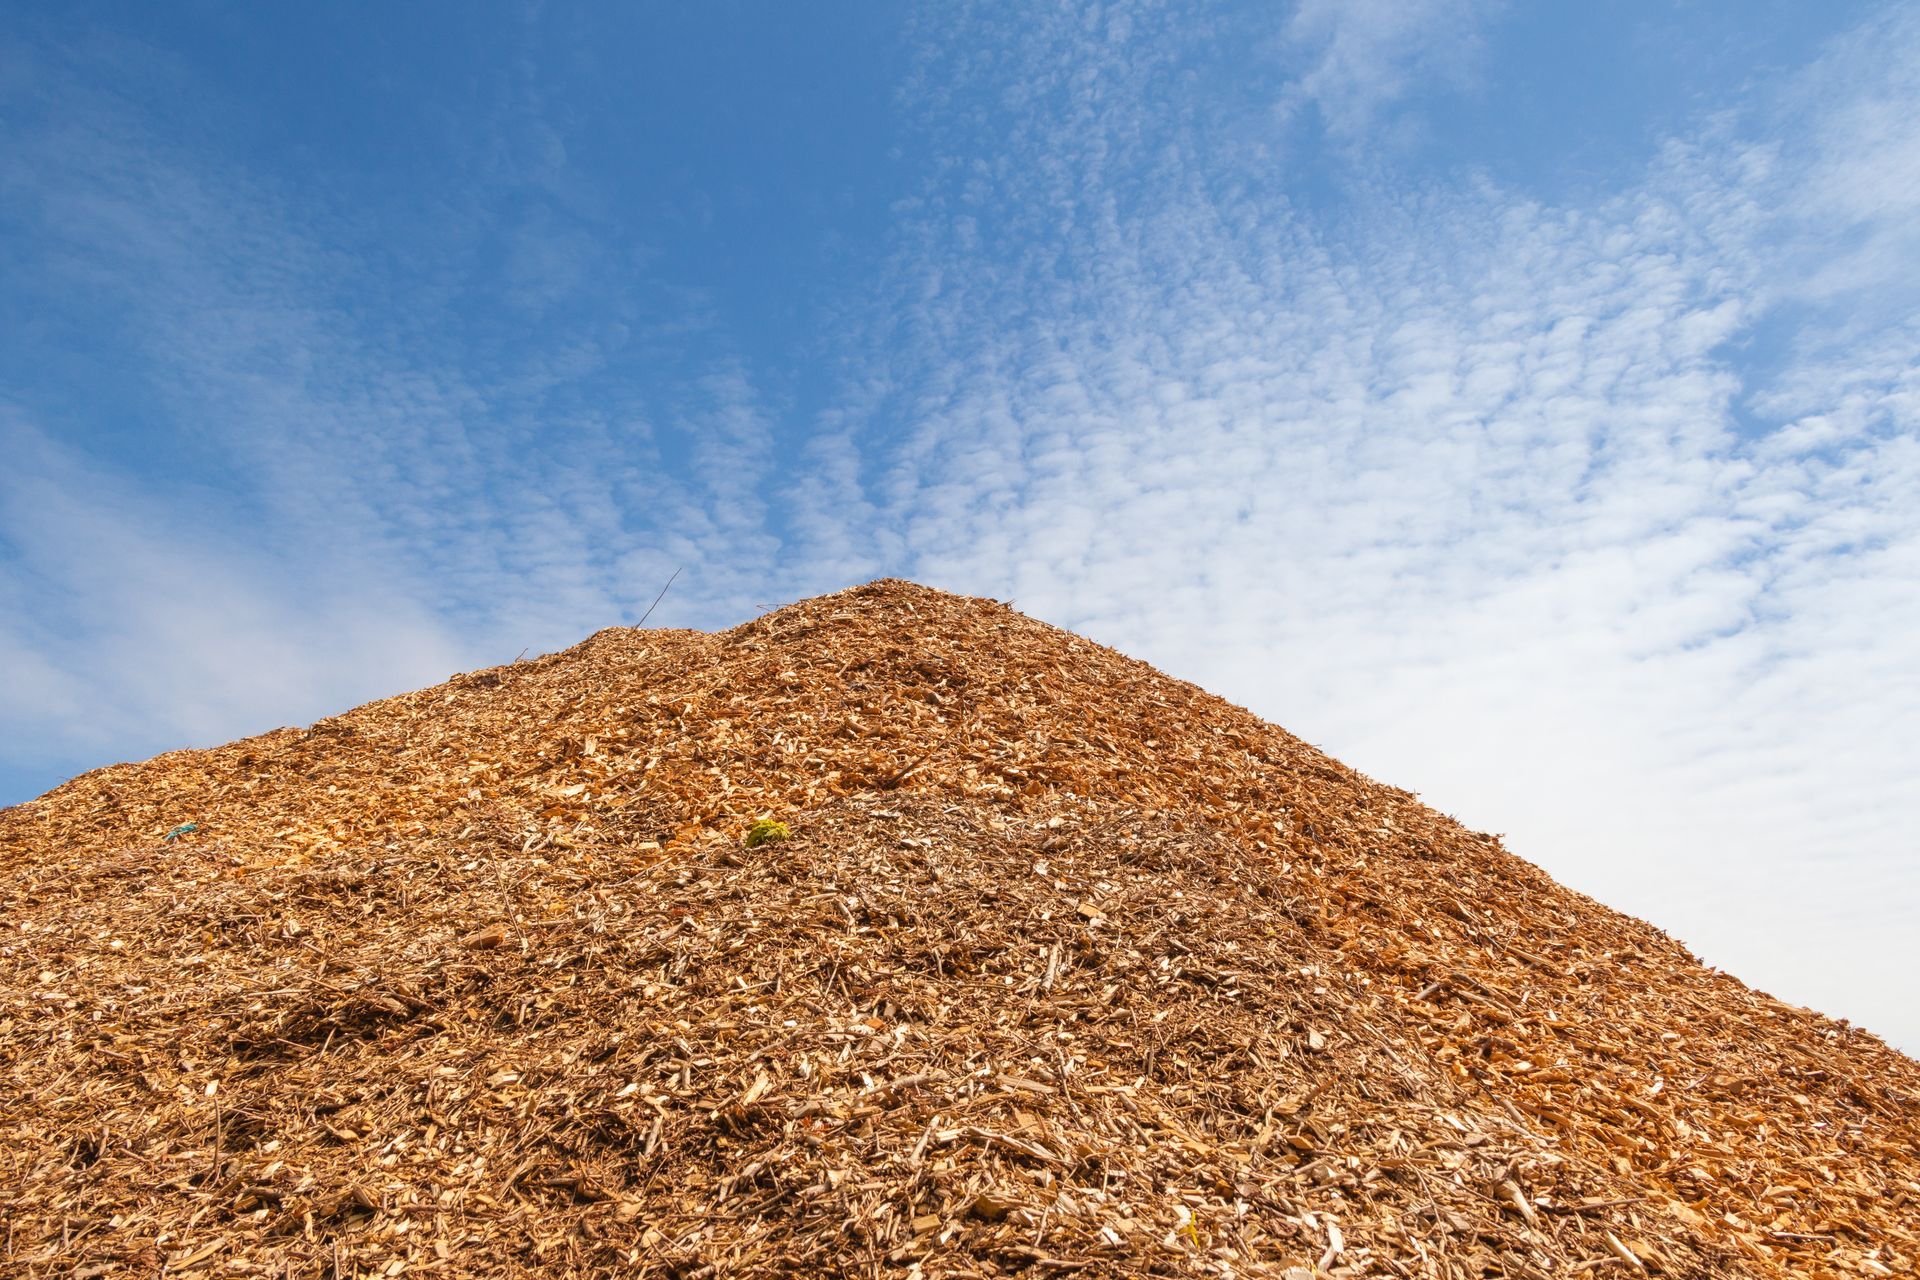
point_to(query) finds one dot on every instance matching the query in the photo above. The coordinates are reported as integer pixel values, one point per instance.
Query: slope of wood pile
(1067, 970)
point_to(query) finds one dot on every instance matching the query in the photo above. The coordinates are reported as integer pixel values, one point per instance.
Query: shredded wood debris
(1063, 969)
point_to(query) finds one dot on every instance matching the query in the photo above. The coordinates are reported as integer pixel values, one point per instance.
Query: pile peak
(1060, 967)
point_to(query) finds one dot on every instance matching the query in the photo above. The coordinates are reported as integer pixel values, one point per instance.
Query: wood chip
(1066, 967)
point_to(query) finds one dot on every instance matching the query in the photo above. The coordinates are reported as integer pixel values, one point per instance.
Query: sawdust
(1065, 969)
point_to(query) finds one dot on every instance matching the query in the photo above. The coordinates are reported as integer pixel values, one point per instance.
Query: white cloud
(125, 630)
(1856, 158)
(1356, 58)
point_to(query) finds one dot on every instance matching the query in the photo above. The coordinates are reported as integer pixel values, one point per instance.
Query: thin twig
(657, 599)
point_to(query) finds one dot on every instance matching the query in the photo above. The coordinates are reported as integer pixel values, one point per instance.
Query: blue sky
(1522, 402)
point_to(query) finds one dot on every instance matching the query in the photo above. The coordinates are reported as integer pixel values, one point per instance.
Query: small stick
(657, 599)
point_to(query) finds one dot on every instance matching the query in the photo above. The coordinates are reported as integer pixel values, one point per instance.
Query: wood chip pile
(1066, 969)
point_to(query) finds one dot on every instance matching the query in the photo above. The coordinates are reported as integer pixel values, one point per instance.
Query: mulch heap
(1064, 969)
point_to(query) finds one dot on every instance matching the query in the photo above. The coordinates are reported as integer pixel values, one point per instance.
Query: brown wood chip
(1066, 967)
